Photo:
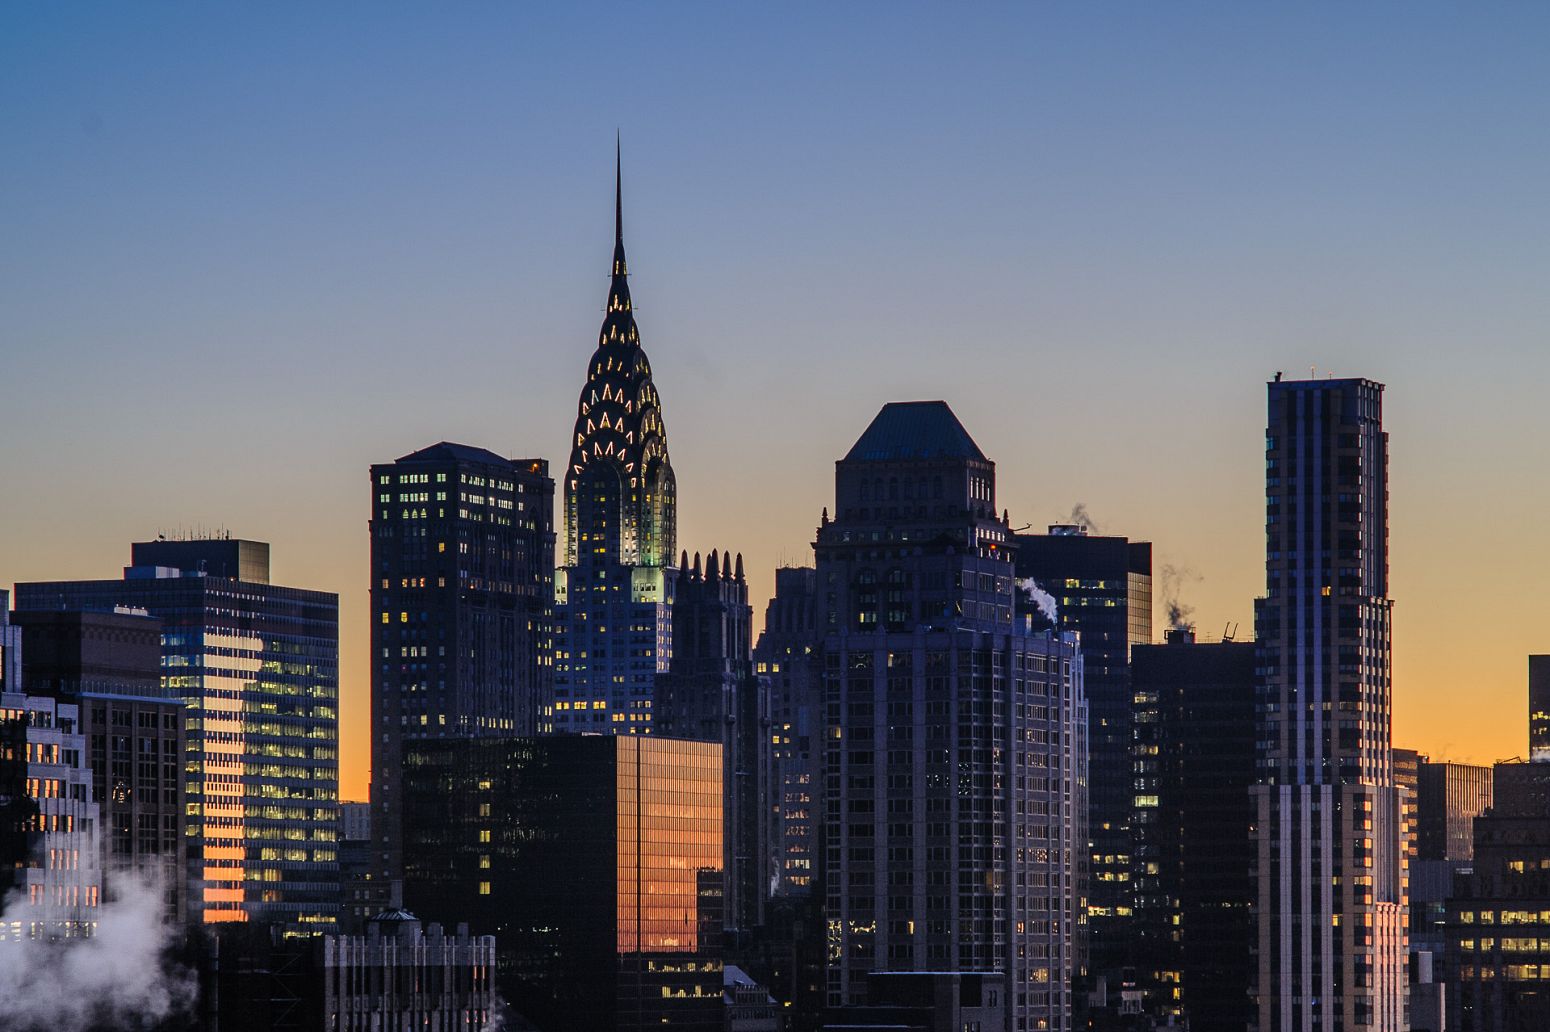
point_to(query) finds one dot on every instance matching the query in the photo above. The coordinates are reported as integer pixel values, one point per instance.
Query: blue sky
(245, 251)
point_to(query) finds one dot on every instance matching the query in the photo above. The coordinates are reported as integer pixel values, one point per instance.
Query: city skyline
(157, 392)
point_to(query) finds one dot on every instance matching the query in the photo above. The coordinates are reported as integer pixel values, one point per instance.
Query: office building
(710, 694)
(10, 648)
(926, 1001)
(594, 860)
(1329, 845)
(1498, 923)
(403, 975)
(1102, 589)
(257, 667)
(783, 658)
(955, 737)
(1407, 776)
(357, 886)
(1195, 928)
(462, 584)
(614, 594)
(109, 666)
(56, 873)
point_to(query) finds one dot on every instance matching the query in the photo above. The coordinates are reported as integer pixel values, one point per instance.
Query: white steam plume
(1041, 598)
(117, 978)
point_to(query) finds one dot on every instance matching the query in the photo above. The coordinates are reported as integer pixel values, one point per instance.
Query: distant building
(1195, 932)
(1539, 709)
(710, 694)
(927, 1001)
(109, 666)
(358, 887)
(10, 648)
(783, 657)
(58, 884)
(1407, 775)
(1330, 862)
(1498, 946)
(400, 975)
(596, 862)
(257, 666)
(462, 583)
(1101, 587)
(955, 736)
(614, 592)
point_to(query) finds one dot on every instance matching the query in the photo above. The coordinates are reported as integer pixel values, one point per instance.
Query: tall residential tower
(1330, 868)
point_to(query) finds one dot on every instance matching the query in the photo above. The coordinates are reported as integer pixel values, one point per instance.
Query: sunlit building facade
(1330, 862)
(256, 666)
(614, 593)
(462, 588)
(594, 860)
(955, 737)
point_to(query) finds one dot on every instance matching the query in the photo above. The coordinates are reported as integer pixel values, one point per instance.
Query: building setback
(596, 862)
(1102, 588)
(955, 738)
(1330, 867)
(1195, 930)
(710, 694)
(462, 585)
(614, 594)
(257, 666)
(1539, 709)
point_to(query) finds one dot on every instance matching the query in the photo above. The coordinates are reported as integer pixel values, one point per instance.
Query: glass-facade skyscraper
(613, 596)
(462, 587)
(257, 668)
(1330, 865)
(955, 737)
(596, 862)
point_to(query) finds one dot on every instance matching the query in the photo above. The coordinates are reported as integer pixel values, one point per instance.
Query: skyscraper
(257, 666)
(588, 857)
(614, 595)
(109, 666)
(1102, 589)
(710, 694)
(1194, 927)
(462, 586)
(1330, 869)
(783, 657)
(955, 737)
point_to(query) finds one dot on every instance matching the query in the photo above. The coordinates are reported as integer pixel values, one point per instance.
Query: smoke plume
(1173, 581)
(1082, 518)
(1041, 598)
(118, 978)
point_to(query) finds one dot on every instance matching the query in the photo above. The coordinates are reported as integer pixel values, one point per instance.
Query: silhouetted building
(1498, 946)
(954, 806)
(109, 666)
(58, 885)
(1195, 931)
(927, 1001)
(10, 648)
(586, 855)
(783, 657)
(462, 584)
(257, 667)
(710, 694)
(614, 594)
(1101, 587)
(358, 888)
(1330, 865)
(1539, 708)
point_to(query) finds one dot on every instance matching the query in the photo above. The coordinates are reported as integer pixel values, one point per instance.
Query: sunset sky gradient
(247, 251)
